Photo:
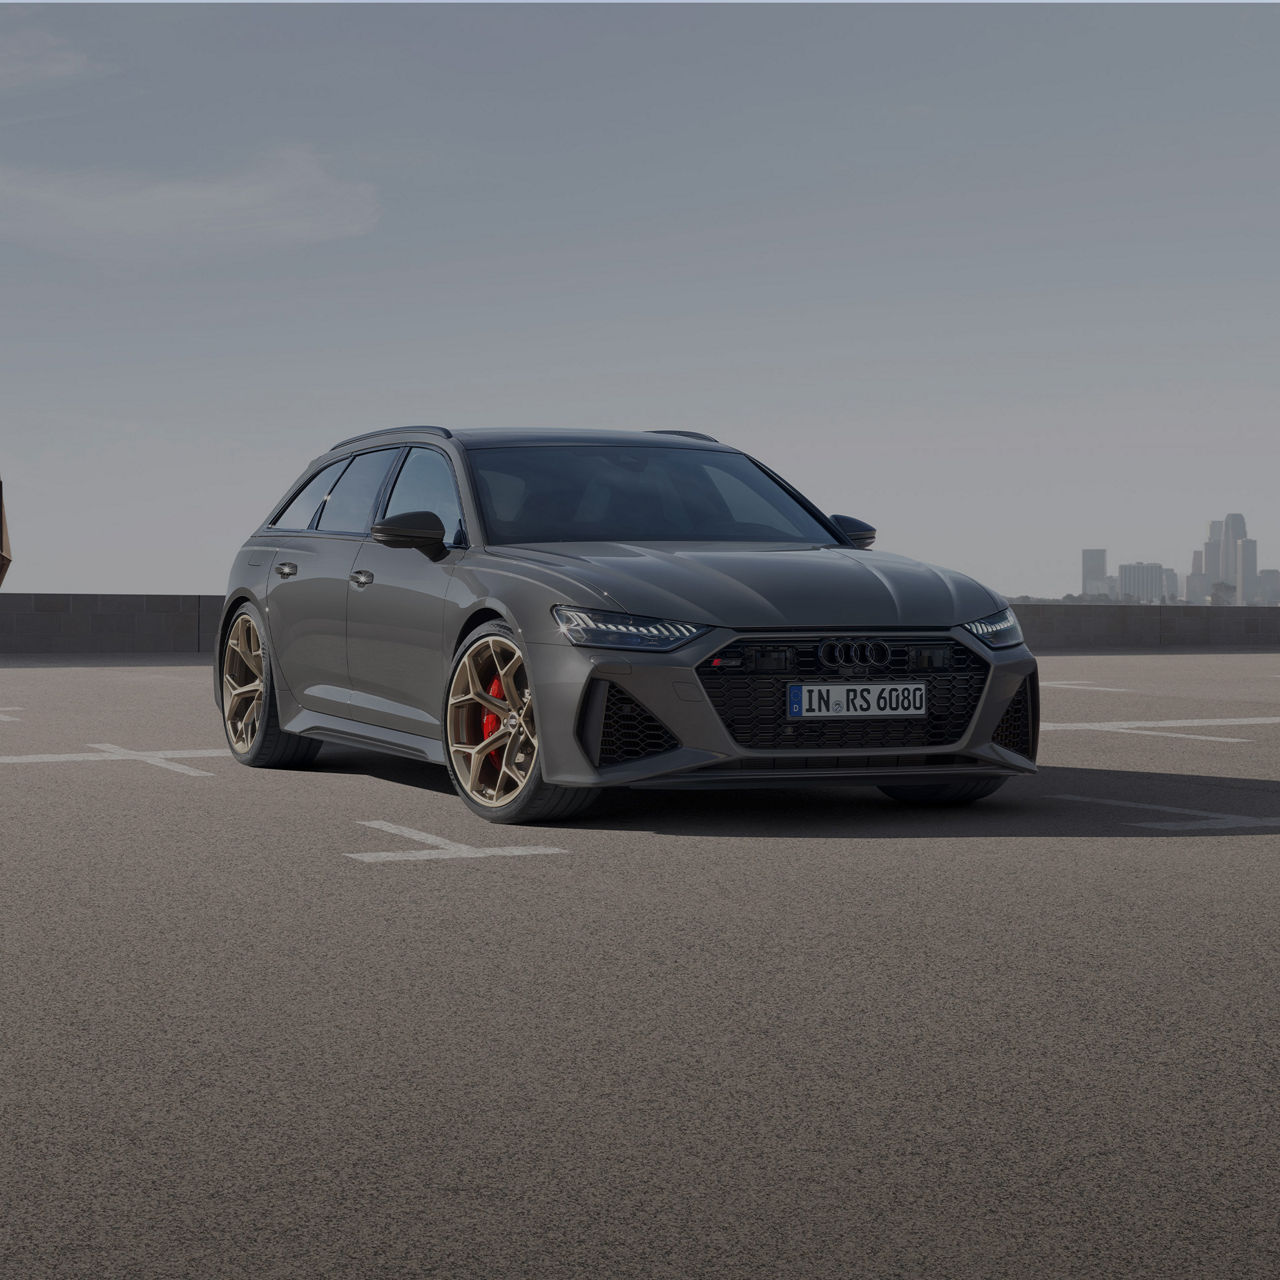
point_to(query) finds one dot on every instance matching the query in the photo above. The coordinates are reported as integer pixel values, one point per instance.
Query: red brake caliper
(492, 722)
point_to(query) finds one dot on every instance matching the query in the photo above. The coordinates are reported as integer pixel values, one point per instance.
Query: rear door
(396, 605)
(318, 536)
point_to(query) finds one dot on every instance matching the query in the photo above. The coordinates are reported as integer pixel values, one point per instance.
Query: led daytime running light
(599, 629)
(998, 630)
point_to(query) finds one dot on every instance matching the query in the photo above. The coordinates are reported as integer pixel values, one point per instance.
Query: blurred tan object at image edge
(6, 558)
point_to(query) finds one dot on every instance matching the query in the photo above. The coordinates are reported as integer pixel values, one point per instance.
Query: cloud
(283, 199)
(30, 58)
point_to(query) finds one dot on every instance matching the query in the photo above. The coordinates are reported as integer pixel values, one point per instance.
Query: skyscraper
(1170, 592)
(1198, 588)
(1233, 529)
(1093, 576)
(1246, 570)
(1142, 583)
(1213, 553)
(1197, 562)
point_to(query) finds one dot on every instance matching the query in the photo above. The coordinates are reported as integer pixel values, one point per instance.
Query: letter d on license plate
(879, 701)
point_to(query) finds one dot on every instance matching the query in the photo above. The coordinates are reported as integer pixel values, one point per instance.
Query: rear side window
(349, 507)
(425, 483)
(298, 514)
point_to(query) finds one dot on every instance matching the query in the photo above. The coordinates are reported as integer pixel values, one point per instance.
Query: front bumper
(693, 746)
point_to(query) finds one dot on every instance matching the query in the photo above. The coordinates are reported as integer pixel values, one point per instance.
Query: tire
(945, 794)
(488, 697)
(248, 701)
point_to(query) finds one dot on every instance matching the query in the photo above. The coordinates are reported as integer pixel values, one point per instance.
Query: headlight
(600, 630)
(999, 630)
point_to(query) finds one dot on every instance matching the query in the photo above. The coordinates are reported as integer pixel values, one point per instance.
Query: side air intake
(616, 729)
(1018, 727)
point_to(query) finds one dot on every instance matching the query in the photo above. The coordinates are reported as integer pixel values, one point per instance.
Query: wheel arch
(477, 619)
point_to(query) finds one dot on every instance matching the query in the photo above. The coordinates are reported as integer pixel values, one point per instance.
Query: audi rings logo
(854, 653)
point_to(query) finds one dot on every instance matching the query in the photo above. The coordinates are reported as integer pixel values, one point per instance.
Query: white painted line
(1164, 733)
(1207, 821)
(1081, 684)
(439, 847)
(10, 719)
(107, 751)
(1164, 724)
(75, 755)
(160, 760)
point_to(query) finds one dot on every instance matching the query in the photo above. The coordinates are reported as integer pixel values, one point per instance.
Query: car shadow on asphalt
(376, 764)
(1057, 802)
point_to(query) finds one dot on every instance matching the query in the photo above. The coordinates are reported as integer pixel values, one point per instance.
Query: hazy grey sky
(1004, 280)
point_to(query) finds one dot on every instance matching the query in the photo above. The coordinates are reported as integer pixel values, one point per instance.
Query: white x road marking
(1206, 821)
(1155, 728)
(108, 751)
(440, 847)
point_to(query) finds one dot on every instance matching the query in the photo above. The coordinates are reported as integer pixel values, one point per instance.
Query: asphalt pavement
(308, 1024)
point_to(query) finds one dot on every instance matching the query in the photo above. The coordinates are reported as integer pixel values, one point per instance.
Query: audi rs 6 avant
(548, 614)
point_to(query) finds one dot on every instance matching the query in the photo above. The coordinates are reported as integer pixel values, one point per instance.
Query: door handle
(287, 569)
(362, 577)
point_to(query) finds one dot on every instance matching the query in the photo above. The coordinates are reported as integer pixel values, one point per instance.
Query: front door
(395, 650)
(318, 538)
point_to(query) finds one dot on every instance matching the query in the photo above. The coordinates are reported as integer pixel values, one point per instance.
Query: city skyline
(1223, 571)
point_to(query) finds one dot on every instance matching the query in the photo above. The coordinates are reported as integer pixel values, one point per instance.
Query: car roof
(501, 437)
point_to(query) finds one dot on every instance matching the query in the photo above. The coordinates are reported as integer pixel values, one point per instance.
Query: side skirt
(352, 733)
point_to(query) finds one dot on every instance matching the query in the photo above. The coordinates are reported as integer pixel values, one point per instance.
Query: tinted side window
(349, 507)
(297, 515)
(425, 483)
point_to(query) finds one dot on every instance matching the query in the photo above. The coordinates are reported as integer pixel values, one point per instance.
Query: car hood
(765, 585)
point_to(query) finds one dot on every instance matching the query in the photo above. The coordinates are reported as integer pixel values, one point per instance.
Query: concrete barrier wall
(1089, 627)
(88, 624)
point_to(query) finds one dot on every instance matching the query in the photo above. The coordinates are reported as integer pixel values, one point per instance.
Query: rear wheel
(945, 794)
(249, 713)
(491, 735)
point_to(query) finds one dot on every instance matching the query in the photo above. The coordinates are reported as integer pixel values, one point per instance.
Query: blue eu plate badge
(795, 704)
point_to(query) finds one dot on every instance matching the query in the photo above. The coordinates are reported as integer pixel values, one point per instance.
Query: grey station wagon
(548, 614)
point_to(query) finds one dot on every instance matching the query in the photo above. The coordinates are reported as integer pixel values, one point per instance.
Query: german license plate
(857, 701)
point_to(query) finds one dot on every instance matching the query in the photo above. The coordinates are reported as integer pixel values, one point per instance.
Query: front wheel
(491, 735)
(945, 794)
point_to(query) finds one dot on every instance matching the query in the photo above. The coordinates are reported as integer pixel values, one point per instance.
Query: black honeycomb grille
(747, 684)
(1017, 728)
(631, 732)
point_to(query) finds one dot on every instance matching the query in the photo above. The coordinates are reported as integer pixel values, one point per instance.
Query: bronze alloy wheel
(242, 683)
(491, 733)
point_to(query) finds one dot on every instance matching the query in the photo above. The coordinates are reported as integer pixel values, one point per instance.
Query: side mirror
(859, 532)
(423, 530)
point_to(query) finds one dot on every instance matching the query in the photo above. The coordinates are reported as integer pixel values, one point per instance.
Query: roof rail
(443, 432)
(690, 435)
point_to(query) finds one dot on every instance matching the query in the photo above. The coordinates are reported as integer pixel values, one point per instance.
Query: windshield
(624, 493)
